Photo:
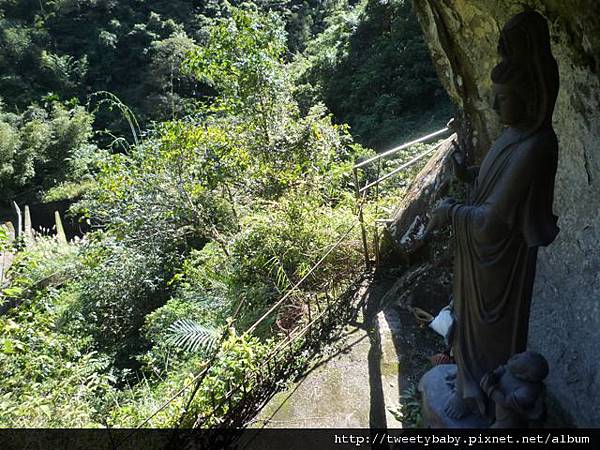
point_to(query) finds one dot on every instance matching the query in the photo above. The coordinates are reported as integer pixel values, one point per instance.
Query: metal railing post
(19, 230)
(363, 230)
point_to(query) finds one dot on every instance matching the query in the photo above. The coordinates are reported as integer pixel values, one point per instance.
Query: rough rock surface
(565, 318)
(410, 218)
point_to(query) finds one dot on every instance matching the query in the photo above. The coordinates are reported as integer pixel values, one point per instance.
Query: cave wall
(565, 319)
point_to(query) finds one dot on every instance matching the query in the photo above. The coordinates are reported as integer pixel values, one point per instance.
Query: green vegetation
(71, 49)
(234, 183)
(33, 144)
(372, 69)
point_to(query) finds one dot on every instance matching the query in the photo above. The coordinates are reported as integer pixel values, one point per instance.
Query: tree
(243, 60)
(372, 69)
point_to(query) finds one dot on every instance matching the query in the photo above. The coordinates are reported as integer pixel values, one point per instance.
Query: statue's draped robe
(497, 233)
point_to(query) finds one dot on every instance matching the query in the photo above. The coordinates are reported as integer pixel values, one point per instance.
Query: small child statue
(517, 390)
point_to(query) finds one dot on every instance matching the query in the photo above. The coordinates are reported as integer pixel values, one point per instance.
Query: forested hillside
(208, 147)
(102, 63)
(57, 55)
(371, 67)
(70, 49)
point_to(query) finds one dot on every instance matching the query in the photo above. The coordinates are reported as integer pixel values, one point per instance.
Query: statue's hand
(489, 383)
(439, 216)
(499, 371)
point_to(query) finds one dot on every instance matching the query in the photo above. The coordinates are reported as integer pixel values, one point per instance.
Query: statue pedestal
(435, 391)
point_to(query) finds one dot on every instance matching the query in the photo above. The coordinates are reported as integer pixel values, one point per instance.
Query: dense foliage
(133, 48)
(365, 60)
(44, 146)
(199, 223)
(372, 69)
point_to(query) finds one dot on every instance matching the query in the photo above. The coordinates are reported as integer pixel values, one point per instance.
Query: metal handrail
(401, 147)
(291, 291)
(272, 356)
(296, 335)
(400, 168)
(199, 377)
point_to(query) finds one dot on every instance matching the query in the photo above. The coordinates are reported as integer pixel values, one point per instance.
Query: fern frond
(191, 336)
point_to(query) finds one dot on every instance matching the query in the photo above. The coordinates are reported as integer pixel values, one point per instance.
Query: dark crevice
(586, 165)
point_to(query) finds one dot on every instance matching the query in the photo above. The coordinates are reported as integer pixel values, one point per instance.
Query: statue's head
(526, 79)
(528, 366)
(513, 101)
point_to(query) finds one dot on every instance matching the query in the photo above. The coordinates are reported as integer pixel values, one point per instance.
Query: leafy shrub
(170, 190)
(52, 376)
(165, 356)
(239, 357)
(47, 263)
(67, 190)
(119, 285)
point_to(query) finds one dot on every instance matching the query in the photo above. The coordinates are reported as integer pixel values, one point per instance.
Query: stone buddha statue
(507, 216)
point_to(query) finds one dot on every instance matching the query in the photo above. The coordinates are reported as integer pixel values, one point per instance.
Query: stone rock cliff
(565, 317)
